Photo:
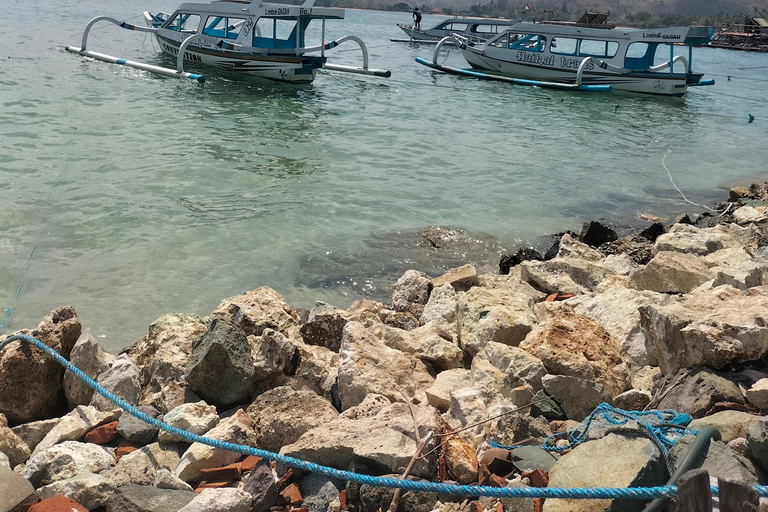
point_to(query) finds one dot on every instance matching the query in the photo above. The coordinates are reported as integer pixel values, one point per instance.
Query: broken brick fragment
(102, 434)
(211, 485)
(291, 495)
(343, 500)
(537, 477)
(57, 503)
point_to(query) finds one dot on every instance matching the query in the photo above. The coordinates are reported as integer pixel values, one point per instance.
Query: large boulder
(439, 394)
(567, 275)
(317, 369)
(65, 460)
(122, 379)
(731, 424)
(671, 272)
(339, 442)
(694, 392)
(141, 465)
(88, 489)
(88, 357)
(74, 425)
(282, 415)
(429, 343)
(715, 328)
(577, 397)
(162, 356)
(257, 310)
(411, 292)
(368, 366)
(688, 239)
(718, 460)
(499, 315)
(220, 369)
(148, 499)
(441, 308)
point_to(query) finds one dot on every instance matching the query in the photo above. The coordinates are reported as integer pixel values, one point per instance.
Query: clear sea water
(149, 195)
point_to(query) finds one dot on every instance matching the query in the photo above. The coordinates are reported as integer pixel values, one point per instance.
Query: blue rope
(639, 493)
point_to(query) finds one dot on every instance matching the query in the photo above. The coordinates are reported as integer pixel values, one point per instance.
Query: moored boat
(478, 29)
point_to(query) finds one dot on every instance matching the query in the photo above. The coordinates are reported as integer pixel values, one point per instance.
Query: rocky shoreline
(486, 368)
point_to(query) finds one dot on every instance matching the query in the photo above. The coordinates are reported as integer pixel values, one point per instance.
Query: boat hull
(666, 84)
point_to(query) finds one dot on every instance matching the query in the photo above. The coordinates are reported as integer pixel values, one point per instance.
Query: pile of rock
(671, 318)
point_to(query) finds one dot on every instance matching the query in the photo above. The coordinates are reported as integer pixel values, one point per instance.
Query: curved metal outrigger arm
(670, 64)
(121, 24)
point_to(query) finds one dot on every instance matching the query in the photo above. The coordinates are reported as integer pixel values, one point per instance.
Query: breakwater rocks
(673, 318)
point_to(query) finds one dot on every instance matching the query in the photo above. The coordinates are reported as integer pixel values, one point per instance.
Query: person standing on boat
(416, 18)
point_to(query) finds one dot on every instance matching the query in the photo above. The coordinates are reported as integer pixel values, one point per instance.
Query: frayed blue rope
(640, 493)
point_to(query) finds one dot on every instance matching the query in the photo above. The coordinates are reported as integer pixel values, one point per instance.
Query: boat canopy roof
(667, 35)
(262, 9)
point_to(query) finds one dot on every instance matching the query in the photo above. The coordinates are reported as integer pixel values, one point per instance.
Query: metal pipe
(138, 65)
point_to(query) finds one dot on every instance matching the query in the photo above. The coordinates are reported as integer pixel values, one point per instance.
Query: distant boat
(476, 29)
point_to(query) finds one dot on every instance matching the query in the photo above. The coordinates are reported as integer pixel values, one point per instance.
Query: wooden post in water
(693, 493)
(737, 496)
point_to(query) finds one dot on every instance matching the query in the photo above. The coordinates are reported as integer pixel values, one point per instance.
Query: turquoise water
(151, 195)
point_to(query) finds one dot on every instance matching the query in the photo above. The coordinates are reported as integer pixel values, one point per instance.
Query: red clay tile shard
(538, 477)
(343, 500)
(229, 472)
(249, 462)
(551, 297)
(57, 503)
(292, 495)
(103, 434)
(211, 485)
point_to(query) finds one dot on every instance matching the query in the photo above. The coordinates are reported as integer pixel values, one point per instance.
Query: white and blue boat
(476, 29)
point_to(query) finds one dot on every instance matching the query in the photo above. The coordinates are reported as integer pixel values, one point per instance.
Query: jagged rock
(518, 366)
(275, 356)
(735, 267)
(324, 329)
(737, 193)
(634, 462)
(260, 484)
(367, 366)
(428, 342)
(66, 460)
(371, 406)
(162, 356)
(319, 491)
(317, 370)
(343, 440)
(747, 214)
(237, 429)
(577, 397)
(132, 498)
(529, 458)
(718, 460)
(88, 357)
(197, 418)
(220, 369)
(566, 275)
(15, 491)
(135, 430)
(758, 394)
(730, 424)
(638, 248)
(545, 405)
(373, 498)
(632, 400)
(74, 426)
(470, 410)
(59, 330)
(282, 415)
(570, 247)
(670, 272)
(13, 446)
(461, 279)
(577, 346)
(34, 432)
(508, 261)
(257, 310)
(219, 500)
(441, 308)
(688, 239)
(713, 328)
(5, 463)
(757, 442)
(460, 460)
(141, 466)
(411, 292)
(122, 379)
(164, 479)
(595, 234)
(87, 489)
(493, 315)
(439, 394)
(697, 392)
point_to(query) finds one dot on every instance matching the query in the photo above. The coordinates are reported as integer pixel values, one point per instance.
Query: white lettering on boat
(568, 63)
(187, 55)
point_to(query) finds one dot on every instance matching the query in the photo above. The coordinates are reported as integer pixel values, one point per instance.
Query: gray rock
(411, 293)
(65, 460)
(142, 498)
(135, 430)
(220, 500)
(220, 368)
(718, 460)
(577, 397)
(550, 409)
(757, 443)
(196, 418)
(164, 479)
(698, 392)
(122, 379)
(15, 491)
(141, 466)
(35, 431)
(378, 498)
(13, 447)
(260, 484)
(88, 489)
(319, 491)
(88, 357)
(528, 458)
(257, 310)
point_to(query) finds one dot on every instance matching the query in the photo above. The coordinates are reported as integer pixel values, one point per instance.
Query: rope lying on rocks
(638, 493)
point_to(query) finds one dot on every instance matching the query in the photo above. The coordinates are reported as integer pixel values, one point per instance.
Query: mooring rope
(637, 493)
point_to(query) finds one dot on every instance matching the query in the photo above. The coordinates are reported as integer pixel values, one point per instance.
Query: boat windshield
(183, 22)
(224, 27)
(453, 27)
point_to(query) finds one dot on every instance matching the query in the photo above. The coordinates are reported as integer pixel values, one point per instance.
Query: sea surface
(129, 196)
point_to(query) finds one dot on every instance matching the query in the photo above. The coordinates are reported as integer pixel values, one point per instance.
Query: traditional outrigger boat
(242, 36)
(560, 55)
(478, 29)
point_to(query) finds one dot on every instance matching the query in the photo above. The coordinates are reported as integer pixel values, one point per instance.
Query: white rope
(681, 192)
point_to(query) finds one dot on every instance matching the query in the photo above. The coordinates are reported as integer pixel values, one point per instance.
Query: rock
(164, 479)
(162, 356)
(461, 278)
(134, 498)
(282, 415)
(324, 329)
(196, 418)
(438, 395)
(572, 248)
(670, 272)
(519, 366)
(411, 293)
(375, 498)
(758, 394)
(635, 462)
(65, 460)
(15, 491)
(577, 397)
(429, 343)
(87, 489)
(219, 500)
(529, 458)
(715, 328)
(747, 214)
(5, 463)
(13, 447)
(260, 484)
(737, 193)
(319, 491)
(730, 424)
(757, 442)
(371, 406)
(697, 392)
(88, 357)
(366, 366)
(550, 409)
(74, 426)
(257, 310)
(493, 315)
(460, 460)
(441, 308)
(237, 429)
(135, 430)
(34, 432)
(275, 356)
(141, 466)
(220, 369)
(343, 440)
(317, 369)
(632, 400)
(719, 460)
(577, 346)
(595, 234)
(637, 247)
(122, 379)
(565, 275)
(685, 238)
(508, 261)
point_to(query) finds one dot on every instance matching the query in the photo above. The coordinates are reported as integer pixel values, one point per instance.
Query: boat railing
(670, 64)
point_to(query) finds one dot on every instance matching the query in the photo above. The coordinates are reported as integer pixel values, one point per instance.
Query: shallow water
(151, 195)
